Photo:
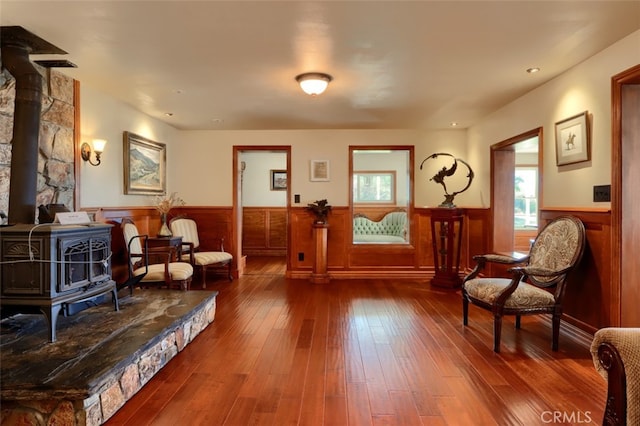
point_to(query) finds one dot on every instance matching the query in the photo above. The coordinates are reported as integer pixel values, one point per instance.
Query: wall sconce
(98, 148)
(313, 83)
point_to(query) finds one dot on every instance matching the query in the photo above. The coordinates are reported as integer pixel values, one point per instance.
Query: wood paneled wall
(264, 231)
(413, 260)
(214, 224)
(591, 301)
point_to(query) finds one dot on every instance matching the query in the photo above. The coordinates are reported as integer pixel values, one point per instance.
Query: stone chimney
(16, 46)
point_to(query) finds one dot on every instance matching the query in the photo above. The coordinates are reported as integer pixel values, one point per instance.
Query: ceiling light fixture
(533, 70)
(313, 83)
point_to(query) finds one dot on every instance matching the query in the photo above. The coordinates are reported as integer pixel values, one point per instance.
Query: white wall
(213, 163)
(103, 117)
(256, 187)
(586, 87)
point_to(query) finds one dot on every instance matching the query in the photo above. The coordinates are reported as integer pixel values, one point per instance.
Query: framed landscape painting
(144, 165)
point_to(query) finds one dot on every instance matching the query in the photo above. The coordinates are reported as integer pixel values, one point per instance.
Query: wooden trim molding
(620, 190)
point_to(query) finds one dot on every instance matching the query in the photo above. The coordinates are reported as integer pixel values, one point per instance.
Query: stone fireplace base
(100, 359)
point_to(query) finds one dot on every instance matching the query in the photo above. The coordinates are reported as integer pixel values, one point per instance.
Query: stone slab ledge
(100, 360)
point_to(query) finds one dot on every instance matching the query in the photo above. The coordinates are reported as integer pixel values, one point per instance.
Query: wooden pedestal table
(446, 235)
(319, 274)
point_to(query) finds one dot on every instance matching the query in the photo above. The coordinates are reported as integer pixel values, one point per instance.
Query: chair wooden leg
(465, 311)
(518, 321)
(230, 273)
(204, 276)
(497, 329)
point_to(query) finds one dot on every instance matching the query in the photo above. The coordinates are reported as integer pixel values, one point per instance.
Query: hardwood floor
(365, 352)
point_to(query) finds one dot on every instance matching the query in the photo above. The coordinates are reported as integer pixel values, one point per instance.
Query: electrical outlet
(601, 193)
(296, 198)
(300, 256)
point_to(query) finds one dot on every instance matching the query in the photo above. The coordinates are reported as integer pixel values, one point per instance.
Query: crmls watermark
(571, 417)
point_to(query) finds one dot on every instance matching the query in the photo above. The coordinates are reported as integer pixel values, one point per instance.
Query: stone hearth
(101, 358)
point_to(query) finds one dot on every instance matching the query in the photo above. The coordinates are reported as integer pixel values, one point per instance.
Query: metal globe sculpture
(447, 172)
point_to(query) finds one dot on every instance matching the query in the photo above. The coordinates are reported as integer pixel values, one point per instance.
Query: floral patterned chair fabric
(537, 285)
(616, 356)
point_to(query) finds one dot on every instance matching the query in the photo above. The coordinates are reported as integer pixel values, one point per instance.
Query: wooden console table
(446, 235)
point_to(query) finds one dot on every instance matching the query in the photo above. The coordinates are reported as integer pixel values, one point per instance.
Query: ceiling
(395, 64)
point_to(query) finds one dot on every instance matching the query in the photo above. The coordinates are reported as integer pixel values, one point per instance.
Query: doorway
(625, 208)
(261, 202)
(516, 191)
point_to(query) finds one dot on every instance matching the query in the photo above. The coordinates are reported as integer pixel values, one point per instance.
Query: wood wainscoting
(413, 260)
(264, 231)
(592, 302)
(523, 238)
(213, 223)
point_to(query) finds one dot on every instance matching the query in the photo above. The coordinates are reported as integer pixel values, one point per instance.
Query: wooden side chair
(554, 253)
(156, 265)
(188, 230)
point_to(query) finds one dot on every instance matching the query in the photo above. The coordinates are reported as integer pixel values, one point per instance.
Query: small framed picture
(573, 144)
(319, 170)
(278, 180)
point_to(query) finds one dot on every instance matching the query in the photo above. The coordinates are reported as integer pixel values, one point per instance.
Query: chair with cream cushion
(153, 265)
(188, 230)
(554, 253)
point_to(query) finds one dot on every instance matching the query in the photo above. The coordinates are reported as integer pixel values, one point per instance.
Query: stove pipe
(26, 129)
(17, 44)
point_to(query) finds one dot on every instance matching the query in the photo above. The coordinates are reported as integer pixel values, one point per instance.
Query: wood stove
(51, 267)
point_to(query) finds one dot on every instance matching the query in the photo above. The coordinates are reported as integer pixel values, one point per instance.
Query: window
(526, 197)
(374, 187)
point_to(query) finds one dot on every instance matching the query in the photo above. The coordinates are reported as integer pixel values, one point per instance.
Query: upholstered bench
(390, 229)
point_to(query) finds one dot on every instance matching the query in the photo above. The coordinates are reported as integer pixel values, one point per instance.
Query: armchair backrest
(130, 232)
(393, 223)
(397, 222)
(187, 229)
(558, 246)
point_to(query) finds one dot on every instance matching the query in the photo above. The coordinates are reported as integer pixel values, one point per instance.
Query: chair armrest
(616, 356)
(501, 258)
(482, 259)
(537, 271)
(190, 250)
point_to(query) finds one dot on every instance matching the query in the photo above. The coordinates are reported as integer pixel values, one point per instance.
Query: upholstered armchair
(156, 265)
(538, 281)
(616, 356)
(188, 230)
